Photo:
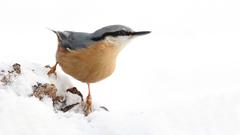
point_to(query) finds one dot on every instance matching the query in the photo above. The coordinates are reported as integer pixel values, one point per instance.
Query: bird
(91, 57)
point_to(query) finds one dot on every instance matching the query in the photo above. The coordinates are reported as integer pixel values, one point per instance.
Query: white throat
(118, 41)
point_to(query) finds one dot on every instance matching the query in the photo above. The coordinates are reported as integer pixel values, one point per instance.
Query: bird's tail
(58, 33)
(52, 30)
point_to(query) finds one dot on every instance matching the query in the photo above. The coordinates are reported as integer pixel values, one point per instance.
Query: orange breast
(90, 64)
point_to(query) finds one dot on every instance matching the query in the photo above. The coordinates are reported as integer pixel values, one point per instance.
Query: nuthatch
(91, 57)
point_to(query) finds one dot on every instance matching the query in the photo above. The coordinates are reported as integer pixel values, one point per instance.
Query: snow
(182, 79)
(25, 115)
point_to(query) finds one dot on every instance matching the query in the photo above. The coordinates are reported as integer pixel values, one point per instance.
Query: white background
(184, 77)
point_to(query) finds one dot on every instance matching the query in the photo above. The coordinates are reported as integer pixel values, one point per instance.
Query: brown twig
(74, 90)
(67, 108)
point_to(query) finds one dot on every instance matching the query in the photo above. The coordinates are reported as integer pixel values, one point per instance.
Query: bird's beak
(139, 33)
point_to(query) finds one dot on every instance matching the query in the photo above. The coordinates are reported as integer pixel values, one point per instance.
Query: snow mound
(24, 109)
(32, 80)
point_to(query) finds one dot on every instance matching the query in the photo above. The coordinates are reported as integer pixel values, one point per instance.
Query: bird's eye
(121, 32)
(113, 34)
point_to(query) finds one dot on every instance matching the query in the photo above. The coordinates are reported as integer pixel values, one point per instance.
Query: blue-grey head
(116, 34)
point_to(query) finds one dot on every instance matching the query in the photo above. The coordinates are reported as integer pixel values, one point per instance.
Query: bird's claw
(52, 69)
(88, 108)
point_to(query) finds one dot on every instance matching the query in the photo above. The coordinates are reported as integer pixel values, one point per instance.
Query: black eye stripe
(120, 33)
(113, 34)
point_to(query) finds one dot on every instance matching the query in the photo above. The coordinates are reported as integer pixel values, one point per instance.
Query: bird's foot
(88, 107)
(52, 70)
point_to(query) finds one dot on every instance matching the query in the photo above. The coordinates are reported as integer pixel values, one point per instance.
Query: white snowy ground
(21, 114)
(182, 79)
